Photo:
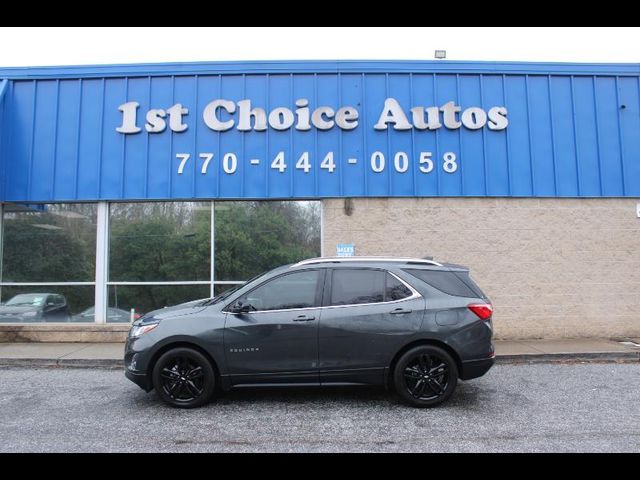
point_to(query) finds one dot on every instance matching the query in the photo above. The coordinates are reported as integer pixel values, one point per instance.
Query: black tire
(184, 378)
(425, 376)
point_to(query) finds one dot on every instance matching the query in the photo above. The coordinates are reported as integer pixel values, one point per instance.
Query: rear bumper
(139, 378)
(475, 368)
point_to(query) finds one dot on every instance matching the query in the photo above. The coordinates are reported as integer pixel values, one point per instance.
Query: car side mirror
(240, 307)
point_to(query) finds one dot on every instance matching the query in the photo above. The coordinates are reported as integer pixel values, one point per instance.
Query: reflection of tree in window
(253, 237)
(165, 241)
(55, 243)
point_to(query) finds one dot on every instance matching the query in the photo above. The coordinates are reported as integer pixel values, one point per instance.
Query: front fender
(204, 332)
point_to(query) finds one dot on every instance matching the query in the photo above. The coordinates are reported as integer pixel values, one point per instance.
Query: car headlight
(141, 329)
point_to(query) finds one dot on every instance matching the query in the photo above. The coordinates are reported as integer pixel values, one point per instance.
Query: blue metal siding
(629, 94)
(89, 146)
(519, 139)
(568, 135)
(64, 180)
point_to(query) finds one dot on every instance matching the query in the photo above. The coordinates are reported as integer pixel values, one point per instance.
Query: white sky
(32, 46)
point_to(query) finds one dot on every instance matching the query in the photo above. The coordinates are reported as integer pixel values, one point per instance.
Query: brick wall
(553, 268)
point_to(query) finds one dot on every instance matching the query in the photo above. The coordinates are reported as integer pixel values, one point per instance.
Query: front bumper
(136, 355)
(139, 378)
(476, 368)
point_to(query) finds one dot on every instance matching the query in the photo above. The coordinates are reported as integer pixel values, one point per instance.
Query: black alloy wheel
(425, 376)
(184, 378)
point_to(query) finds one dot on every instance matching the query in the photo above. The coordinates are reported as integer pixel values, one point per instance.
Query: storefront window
(145, 298)
(160, 241)
(45, 246)
(159, 254)
(49, 243)
(253, 237)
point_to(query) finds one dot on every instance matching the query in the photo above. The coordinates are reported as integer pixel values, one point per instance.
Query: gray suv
(409, 324)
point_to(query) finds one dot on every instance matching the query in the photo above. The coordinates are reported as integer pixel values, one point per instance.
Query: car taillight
(482, 310)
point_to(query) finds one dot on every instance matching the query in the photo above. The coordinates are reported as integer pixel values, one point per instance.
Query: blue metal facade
(573, 131)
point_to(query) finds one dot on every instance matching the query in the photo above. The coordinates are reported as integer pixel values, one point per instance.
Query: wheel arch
(418, 343)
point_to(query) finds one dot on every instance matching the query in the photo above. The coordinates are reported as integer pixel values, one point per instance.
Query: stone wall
(553, 268)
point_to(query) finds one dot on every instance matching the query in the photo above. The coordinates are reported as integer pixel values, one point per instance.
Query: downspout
(3, 88)
(4, 83)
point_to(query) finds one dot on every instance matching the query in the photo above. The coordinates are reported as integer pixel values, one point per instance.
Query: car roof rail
(421, 261)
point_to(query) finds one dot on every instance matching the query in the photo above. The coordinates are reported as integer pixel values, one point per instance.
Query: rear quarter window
(447, 282)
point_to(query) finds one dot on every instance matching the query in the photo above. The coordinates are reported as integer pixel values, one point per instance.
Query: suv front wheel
(425, 376)
(184, 378)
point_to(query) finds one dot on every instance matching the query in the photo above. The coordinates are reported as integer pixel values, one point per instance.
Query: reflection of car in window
(113, 315)
(35, 307)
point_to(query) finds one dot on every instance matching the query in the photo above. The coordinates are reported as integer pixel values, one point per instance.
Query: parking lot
(545, 407)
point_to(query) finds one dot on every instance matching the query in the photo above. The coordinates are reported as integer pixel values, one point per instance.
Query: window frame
(326, 299)
(317, 299)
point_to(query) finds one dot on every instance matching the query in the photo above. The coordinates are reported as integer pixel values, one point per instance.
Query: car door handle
(303, 318)
(399, 311)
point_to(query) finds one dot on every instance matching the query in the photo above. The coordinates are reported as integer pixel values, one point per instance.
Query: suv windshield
(227, 293)
(223, 295)
(34, 300)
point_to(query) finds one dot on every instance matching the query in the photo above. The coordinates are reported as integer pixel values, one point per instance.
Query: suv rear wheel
(425, 376)
(184, 378)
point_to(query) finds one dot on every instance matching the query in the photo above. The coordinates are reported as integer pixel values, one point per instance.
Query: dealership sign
(221, 115)
(309, 130)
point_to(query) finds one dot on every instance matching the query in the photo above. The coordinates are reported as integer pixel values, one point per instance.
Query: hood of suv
(180, 310)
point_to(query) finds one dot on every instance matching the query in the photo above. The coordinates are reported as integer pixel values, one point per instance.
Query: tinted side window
(395, 289)
(296, 290)
(466, 279)
(352, 287)
(446, 282)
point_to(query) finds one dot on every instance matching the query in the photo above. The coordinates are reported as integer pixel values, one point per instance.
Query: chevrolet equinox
(412, 325)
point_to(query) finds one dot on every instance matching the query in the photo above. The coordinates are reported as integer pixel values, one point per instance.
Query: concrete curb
(110, 364)
(101, 363)
(593, 357)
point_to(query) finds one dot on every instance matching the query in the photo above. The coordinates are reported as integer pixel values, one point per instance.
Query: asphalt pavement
(533, 408)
